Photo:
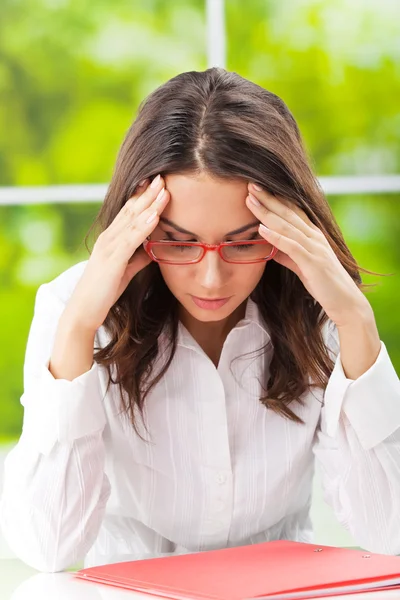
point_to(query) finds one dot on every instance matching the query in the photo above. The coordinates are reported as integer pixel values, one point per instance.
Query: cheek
(174, 276)
(250, 275)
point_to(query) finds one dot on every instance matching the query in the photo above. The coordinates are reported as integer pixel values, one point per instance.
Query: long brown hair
(220, 123)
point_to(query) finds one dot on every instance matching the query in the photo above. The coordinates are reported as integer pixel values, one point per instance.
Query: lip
(211, 299)
(210, 303)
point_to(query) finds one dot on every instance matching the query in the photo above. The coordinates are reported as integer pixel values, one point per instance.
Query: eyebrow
(181, 230)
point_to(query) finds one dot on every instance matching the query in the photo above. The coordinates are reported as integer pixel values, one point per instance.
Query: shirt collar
(252, 317)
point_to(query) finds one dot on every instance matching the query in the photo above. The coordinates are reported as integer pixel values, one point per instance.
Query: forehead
(206, 205)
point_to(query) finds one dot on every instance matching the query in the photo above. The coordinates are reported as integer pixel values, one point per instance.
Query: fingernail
(152, 217)
(257, 187)
(155, 181)
(254, 200)
(160, 195)
(141, 184)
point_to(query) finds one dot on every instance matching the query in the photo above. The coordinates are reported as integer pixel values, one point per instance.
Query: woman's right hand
(117, 256)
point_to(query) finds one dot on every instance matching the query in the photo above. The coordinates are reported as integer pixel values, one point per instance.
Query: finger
(271, 205)
(120, 217)
(279, 225)
(132, 236)
(139, 203)
(136, 205)
(137, 262)
(287, 211)
(289, 246)
(287, 262)
(303, 216)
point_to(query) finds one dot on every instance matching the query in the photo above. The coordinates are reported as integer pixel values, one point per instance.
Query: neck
(211, 334)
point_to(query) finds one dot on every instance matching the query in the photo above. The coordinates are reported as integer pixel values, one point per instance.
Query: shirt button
(221, 478)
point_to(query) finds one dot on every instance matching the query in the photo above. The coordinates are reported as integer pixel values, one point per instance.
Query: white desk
(20, 582)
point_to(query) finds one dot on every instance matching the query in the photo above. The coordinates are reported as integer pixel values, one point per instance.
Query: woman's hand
(117, 256)
(304, 249)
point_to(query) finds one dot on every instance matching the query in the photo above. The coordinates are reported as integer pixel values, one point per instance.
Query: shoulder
(61, 287)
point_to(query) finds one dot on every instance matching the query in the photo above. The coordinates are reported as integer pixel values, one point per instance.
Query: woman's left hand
(304, 249)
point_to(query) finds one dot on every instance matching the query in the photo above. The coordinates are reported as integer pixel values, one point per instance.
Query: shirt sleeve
(357, 450)
(54, 488)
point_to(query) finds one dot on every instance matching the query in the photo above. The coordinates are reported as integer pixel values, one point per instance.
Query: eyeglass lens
(236, 252)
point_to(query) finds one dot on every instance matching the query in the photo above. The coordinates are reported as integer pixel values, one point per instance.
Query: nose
(212, 272)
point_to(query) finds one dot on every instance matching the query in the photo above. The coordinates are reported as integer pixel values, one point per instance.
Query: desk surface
(20, 582)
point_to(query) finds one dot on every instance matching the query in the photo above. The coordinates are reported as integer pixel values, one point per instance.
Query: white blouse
(220, 469)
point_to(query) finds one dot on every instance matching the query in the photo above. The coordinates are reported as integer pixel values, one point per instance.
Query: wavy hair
(219, 123)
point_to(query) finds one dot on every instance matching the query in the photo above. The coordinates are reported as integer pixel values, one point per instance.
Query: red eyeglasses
(183, 253)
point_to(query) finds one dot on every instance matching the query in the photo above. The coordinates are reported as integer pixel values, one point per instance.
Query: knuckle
(325, 253)
(127, 241)
(286, 228)
(133, 226)
(320, 258)
(129, 207)
(125, 245)
(318, 233)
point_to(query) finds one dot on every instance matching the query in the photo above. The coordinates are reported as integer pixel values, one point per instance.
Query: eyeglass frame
(148, 244)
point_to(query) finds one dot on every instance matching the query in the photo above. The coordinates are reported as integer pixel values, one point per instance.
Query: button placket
(220, 505)
(221, 478)
(219, 514)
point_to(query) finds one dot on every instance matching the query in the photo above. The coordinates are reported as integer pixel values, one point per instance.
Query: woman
(180, 382)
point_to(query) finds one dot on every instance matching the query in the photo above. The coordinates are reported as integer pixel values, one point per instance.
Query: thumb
(285, 260)
(138, 261)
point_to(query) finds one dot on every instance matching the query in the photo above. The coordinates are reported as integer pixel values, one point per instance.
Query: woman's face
(209, 209)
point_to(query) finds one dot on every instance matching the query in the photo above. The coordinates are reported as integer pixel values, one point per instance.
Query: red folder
(279, 570)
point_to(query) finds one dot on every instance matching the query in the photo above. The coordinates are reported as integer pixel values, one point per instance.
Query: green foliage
(72, 77)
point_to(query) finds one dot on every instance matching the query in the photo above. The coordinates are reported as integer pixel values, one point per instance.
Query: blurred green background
(72, 74)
